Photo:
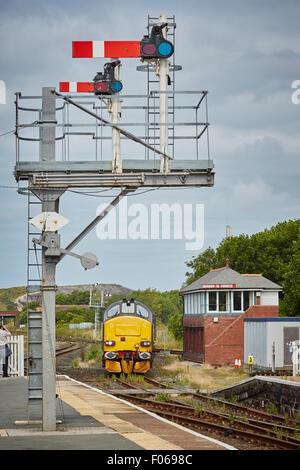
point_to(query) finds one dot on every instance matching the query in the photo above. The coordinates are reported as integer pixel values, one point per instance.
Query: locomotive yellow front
(128, 334)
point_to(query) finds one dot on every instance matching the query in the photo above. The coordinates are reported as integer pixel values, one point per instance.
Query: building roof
(228, 276)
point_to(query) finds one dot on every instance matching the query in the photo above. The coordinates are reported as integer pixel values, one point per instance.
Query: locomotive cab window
(113, 311)
(142, 311)
(128, 307)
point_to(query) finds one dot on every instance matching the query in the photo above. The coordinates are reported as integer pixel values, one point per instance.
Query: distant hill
(15, 297)
(8, 297)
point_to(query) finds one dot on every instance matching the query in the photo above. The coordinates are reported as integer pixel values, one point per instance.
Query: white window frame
(217, 302)
(242, 301)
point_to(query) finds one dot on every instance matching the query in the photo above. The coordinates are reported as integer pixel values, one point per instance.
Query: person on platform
(5, 351)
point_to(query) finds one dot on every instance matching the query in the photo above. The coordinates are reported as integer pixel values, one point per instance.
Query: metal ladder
(34, 324)
(152, 125)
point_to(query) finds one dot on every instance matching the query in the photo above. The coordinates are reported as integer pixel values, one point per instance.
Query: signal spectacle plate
(165, 48)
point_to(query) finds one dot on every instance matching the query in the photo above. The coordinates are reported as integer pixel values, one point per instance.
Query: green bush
(94, 353)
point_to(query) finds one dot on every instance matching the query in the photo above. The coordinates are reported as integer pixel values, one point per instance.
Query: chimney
(227, 263)
(228, 231)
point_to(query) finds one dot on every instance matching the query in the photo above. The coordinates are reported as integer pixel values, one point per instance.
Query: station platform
(90, 419)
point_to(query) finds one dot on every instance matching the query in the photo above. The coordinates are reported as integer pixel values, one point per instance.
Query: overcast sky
(246, 54)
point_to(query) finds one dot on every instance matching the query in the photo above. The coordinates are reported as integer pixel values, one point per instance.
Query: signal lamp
(116, 86)
(145, 344)
(102, 86)
(156, 46)
(105, 83)
(110, 343)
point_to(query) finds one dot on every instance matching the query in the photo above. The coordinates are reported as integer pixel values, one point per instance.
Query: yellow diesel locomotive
(128, 336)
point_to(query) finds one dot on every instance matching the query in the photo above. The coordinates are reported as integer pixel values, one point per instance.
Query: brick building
(8, 315)
(214, 310)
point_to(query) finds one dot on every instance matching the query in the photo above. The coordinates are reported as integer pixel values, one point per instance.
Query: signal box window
(237, 301)
(212, 301)
(223, 301)
(246, 300)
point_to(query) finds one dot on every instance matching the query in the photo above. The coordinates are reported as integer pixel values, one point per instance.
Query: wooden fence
(16, 359)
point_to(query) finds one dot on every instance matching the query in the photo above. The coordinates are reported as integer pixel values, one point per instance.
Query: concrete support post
(50, 203)
(48, 289)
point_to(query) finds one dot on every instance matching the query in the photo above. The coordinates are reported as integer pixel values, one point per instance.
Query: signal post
(115, 110)
(163, 72)
(48, 179)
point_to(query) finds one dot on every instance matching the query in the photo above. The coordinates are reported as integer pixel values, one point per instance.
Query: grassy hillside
(8, 297)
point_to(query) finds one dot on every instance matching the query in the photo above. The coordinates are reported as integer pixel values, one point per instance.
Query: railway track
(243, 411)
(58, 352)
(228, 425)
(170, 351)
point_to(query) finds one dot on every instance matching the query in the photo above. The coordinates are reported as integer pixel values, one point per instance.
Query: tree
(201, 264)
(75, 298)
(272, 253)
(290, 304)
(22, 317)
(175, 325)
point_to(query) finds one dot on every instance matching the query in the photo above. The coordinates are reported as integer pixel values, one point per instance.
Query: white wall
(269, 298)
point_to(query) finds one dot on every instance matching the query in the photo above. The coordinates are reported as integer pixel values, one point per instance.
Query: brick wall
(193, 338)
(221, 342)
(224, 341)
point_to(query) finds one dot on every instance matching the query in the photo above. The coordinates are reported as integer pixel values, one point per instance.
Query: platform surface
(91, 419)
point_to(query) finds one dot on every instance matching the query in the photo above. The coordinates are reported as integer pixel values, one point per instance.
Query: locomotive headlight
(110, 355)
(110, 343)
(144, 355)
(145, 344)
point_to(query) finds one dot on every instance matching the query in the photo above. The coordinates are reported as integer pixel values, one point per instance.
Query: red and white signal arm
(105, 49)
(76, 87)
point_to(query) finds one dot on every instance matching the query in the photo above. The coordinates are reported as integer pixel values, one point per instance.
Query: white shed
(269, 340)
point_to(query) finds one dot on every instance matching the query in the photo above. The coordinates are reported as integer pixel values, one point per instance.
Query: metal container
(269, 339)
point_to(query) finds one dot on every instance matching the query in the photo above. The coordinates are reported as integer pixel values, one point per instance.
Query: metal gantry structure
(97, 304)
(153, 163)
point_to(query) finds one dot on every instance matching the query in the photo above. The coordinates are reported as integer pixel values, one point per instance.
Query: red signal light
(102, 86)
(148, 49)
